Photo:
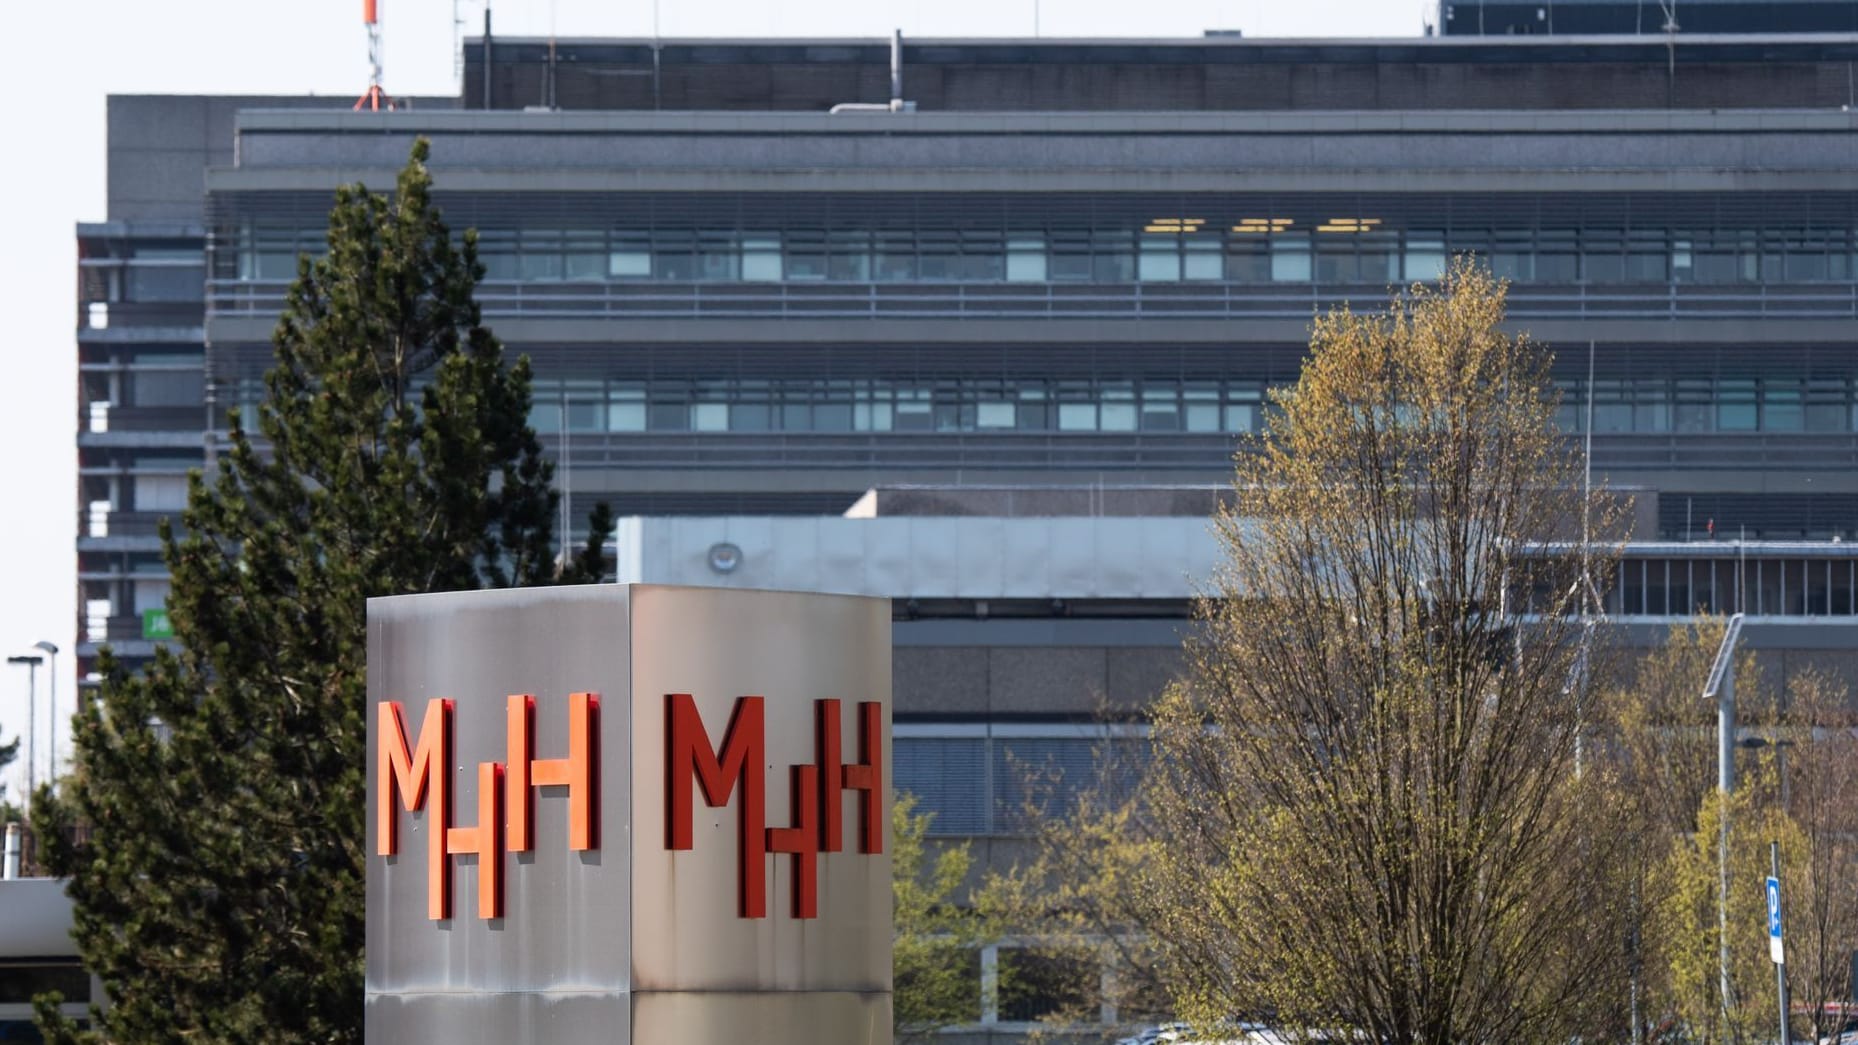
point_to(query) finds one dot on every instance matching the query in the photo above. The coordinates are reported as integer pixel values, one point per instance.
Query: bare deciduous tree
(1366, 793)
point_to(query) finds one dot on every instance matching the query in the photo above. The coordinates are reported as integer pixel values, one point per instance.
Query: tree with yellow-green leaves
(935, 949)
(1799, 788)
(1366, 800)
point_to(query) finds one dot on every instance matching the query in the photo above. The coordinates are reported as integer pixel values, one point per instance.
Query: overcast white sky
(66, 57)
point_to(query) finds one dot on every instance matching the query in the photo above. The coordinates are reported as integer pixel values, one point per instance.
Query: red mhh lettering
(816, 792)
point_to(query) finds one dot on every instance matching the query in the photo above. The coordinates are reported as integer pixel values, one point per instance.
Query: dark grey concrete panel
(1135, 677)
(1078, 631)
(939, 681)
(1051, 681)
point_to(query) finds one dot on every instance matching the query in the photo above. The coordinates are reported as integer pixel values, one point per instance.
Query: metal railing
(116, 629)
(101, 315)
(123, 524)
(145, 418)
(1126, 451)
(665, 300)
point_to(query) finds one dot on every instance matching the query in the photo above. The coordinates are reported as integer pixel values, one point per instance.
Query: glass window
(1112, 257)
(1378, 255)
(718, 258)
(938, 256)
(1116, 412)
(1200, 409)
(1200, 258)
(1781, 407)
(160, 493)
(178, 282)
(167, 388)
(1161, 409)
(1695, 406)
(540, 255)
(1612, 408)
(1556, 260)
(584, 255)
(753, 415)
(1826, 405)
(1035, 414)
(896, 257)
(1651, 407)
(1077, 417)
(1681, 259)
(1290, 258)
(630, 256)
(849, 256)
(1335, 259)
(674, 255)
(1070, 256)
(1160, 260)
(1512, 256)
(1248, 258)
(806, 254)
(1025, 259)
(1602, 260)
(1425, 256)
(1646, 256)
(761, 257)
(915, 411)
(983, 258)
(832, 417)
(1809, 257)
(1735, 405)
(586, 400)
(709, 417)
(996, 414)
(625, 408)
(1242, 408)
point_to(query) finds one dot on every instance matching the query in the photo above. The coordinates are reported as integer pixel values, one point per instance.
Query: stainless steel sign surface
(620, 813)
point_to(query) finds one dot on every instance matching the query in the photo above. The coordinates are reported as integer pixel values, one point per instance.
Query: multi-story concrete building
(1027, 277)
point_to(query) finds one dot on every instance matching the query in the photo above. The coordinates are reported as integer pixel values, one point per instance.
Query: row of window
(1825, 404)
(982, 783)
(1337, 250)
(1712, 404)
(1762, 587)
(898, 406)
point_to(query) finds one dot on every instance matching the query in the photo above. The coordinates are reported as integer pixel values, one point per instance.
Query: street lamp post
(32, 662)
(1721, 686)
(51, 673)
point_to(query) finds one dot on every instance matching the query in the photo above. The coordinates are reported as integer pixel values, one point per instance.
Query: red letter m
(689, 755)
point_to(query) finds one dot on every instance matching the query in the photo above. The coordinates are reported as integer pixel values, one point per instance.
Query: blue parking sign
(1774, 921)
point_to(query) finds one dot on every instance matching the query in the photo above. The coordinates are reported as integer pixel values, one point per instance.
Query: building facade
(1033, 294)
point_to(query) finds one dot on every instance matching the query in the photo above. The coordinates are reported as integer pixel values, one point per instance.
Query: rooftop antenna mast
(375, 98)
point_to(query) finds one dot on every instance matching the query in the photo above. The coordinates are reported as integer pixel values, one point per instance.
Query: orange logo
(419, 778)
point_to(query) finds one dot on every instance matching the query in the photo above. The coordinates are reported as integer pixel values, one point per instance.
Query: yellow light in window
(1263, 224)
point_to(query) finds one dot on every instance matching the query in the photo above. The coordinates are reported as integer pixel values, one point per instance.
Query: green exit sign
(155, 625)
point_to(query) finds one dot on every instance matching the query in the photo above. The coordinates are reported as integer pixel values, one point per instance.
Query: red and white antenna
(375, 99)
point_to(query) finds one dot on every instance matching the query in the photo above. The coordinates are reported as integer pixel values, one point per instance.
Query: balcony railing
(107, 315)
(1123, 451)
(116, 629)
(123, 524)
(660, 300)
(104, 417)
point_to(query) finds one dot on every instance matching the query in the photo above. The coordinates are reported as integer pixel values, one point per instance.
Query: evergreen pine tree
(218, 888)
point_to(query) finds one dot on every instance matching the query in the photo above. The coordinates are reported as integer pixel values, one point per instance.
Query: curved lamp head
(46, 646)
